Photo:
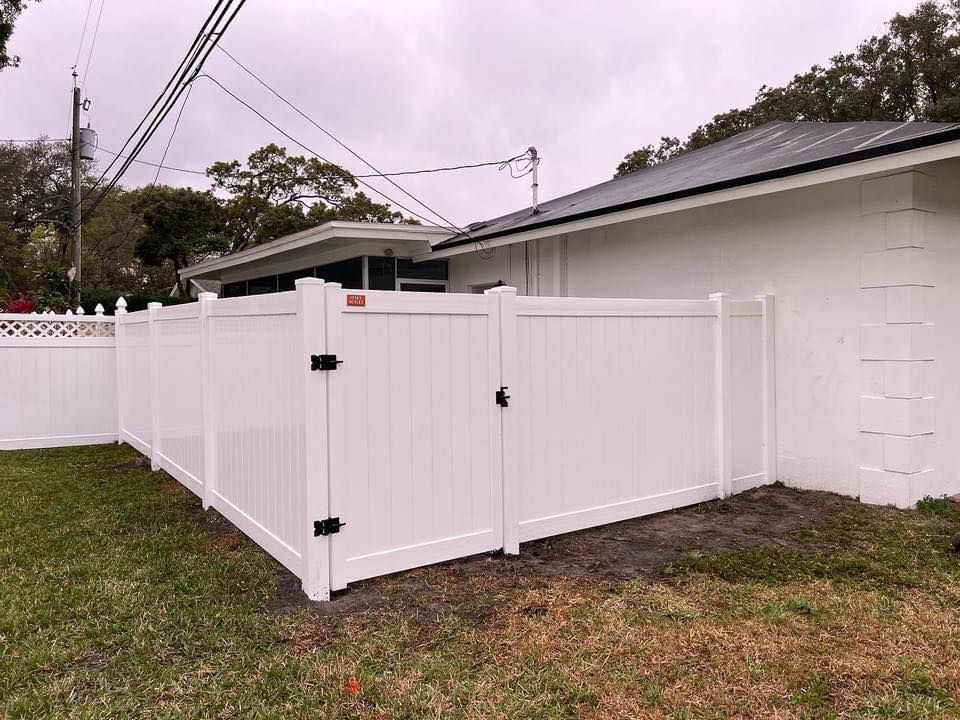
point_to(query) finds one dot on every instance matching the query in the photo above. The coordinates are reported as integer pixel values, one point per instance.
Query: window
(425, 270)
(348, 273)
(381, 273)
(423, 286)
(234, 289)
(262, 285)
(287, 281)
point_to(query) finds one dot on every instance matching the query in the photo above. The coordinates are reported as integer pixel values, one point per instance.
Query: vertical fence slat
(208, 422)
(769, 388)
(509, 428)
(120, 309)
(723, 365)
(153, 310)
(315, 550)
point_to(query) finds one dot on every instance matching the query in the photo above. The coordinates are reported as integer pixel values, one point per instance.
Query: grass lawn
(120, 598)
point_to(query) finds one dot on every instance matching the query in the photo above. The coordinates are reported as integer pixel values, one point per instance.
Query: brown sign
(356, 300)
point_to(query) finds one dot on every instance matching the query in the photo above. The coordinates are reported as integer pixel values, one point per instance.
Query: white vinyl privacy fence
(353, 434)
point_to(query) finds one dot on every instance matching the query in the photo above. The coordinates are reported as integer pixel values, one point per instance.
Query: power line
(188, 70)
(336, 139)
(311, 151)
(93, 42)
(177, 74)
(83, 33)
(423, 171)
(176, 124)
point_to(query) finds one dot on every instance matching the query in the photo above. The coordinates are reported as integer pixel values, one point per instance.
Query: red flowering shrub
(18, 304)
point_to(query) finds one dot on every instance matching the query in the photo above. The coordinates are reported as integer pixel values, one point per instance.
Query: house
(370, 256)
(852, 226)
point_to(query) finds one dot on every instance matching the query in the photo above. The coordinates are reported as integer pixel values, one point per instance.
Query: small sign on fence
(356, 300)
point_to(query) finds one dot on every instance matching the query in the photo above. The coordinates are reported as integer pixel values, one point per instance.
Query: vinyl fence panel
(179, 408)
(135, 392)
(615, 406)
(415, 469)
(57, 381)
(257, 417)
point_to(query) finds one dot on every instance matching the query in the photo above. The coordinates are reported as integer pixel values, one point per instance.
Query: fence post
(722, 368)
(153, 313)
(120, 309)
(206, 401)
(315, 549)
(769, 389)
(509, 459)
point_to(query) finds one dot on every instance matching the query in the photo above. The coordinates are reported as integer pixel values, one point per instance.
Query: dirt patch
(611, 554)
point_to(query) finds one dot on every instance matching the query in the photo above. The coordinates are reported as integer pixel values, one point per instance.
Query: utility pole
(75, 191)
(534, 185)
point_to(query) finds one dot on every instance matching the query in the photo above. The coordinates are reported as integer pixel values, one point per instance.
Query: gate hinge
(324, 362)
(327, 527)
(502, 397)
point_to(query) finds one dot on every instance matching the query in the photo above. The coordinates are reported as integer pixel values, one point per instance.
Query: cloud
(412, 84)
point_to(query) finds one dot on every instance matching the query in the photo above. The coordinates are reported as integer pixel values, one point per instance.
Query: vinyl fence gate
(353, 434)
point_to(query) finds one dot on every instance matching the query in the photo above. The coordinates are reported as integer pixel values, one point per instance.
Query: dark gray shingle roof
(777, 149)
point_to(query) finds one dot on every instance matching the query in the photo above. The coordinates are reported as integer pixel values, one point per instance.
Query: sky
(425, 83)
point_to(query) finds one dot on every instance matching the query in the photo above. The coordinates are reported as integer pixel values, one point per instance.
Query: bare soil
(633, 549)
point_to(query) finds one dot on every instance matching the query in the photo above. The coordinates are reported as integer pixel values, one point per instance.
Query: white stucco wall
(806, 247)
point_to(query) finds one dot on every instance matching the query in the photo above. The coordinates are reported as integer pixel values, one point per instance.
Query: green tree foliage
(911, 72)
(180, 226)
(9, 12)
(649, 155)
(276, 194)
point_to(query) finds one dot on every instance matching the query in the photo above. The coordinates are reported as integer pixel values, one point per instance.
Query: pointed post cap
(98, 310)
(80, 310)
(121, 304)
(69, 312)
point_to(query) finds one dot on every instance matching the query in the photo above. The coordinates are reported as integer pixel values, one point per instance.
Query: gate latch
(502, 397)
(324, 362)
(327, 527)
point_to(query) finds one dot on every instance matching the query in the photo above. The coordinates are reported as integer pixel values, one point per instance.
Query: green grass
(119, 598)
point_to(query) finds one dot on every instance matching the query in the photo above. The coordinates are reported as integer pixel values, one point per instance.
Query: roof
(774, 150)
(330, 236)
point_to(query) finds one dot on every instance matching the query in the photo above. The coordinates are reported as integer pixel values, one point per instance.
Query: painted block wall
(846, 264)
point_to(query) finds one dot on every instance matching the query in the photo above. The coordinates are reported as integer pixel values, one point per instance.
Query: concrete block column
(897, 405)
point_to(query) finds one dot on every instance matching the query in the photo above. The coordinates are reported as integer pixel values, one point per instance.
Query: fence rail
(426, 426)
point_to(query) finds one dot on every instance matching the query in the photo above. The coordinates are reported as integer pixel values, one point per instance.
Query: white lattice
(54, 326)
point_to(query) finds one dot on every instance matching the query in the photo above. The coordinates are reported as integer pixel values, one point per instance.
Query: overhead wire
(333, 137)
(288, 103)
(93, 43)
(422, 171)
(294, 140)
(83, 33)
(188, 70)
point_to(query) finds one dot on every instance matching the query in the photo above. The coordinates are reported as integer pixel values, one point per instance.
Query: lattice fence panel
(39, 326)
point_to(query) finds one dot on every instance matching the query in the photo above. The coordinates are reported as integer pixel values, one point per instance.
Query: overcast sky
(428, 83)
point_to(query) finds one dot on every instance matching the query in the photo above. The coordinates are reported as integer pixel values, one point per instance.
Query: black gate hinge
(502, 397)
(327, 527)
(324, 362)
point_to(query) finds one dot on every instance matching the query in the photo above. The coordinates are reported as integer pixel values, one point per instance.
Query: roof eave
(750, 186)
(946, 138)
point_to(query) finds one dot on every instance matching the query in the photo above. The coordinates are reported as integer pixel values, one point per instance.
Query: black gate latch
(327, 527)
(502, 396)
(324, 362)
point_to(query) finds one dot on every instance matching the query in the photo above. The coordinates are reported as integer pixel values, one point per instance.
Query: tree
(9, 12)
(34, 192)
(911, 72)
(649, 155)
(180, 226)
(276, 194)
